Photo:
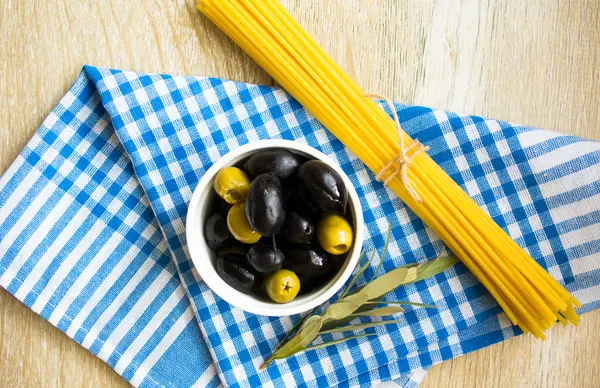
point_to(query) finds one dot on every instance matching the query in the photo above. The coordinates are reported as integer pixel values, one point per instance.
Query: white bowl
(204, 258)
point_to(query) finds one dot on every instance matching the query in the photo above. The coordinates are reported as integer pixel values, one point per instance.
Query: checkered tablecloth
(92, 229)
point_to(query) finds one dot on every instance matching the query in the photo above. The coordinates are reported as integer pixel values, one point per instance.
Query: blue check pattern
(92, 229)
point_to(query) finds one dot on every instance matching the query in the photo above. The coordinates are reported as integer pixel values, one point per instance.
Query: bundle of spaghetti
(530, 297)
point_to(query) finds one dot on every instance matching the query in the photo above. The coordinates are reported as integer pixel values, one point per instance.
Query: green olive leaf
(434, 267)
(379, 312)
(339, 341)
(307, 333)
(359, 298)
(309, 330)
(296, 326)
(358, 273)
(340, 310)
(291, 347)
(390, 281)
(360, 326)
(337, 323)
(362, 303)
(377, 302)
(384, 252)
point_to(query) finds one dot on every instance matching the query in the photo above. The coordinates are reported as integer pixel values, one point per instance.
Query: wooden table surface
(534, 62)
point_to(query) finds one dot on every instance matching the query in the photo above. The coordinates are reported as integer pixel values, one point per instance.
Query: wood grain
(534, 62)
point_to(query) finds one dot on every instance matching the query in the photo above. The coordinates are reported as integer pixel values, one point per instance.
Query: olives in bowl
(263, 237)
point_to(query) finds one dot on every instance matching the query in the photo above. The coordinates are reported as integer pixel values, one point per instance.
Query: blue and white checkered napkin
(92, 230)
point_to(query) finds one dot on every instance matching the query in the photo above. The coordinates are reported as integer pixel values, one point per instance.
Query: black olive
(280, 162)
(217, 233)
(237, 257)
(265, 205)
(220, 206)
(311, 283)
(264, 258)
(234, 247)
(305, 205)
(235, 272)
(323, 186)
(291, 187)
(307, 261)
(297, 229)
(302, 159)
(296, 200)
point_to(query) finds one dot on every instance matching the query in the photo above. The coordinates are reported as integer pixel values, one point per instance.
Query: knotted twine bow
(405, 156)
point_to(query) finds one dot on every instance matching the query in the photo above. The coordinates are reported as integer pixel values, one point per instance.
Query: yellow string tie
(405, 156)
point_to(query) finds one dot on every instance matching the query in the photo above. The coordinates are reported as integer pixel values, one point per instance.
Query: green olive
(232, 184)
(238, 225)
(335, 234)
(283, 286)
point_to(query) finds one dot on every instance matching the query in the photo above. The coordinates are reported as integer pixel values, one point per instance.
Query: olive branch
(362, 302)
